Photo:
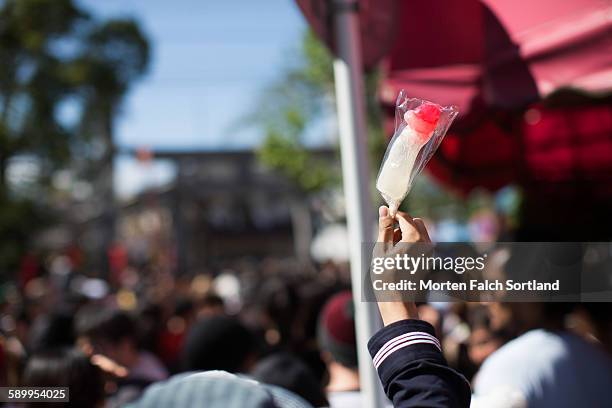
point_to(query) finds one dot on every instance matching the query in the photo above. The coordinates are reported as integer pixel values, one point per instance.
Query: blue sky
(211, 60)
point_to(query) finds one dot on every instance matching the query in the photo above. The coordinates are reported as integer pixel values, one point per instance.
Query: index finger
(420, 225)
(410, 232)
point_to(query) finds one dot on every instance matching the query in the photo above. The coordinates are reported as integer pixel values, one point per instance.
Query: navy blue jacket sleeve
(412, 369)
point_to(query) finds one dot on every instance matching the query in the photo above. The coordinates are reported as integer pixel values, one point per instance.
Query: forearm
(412, 369)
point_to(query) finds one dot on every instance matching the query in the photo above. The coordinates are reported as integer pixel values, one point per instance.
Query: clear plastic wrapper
(420, 127)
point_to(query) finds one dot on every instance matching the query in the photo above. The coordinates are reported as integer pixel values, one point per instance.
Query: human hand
(410, 230)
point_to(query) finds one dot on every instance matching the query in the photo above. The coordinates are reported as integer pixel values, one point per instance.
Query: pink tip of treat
(428, 112)
(423, 120)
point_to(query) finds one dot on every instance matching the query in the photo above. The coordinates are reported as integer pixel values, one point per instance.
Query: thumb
(385, 225)
(410, 232)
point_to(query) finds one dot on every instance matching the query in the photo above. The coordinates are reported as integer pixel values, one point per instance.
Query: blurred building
(221, 205)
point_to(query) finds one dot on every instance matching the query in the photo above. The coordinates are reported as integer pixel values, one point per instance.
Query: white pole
(356, 178)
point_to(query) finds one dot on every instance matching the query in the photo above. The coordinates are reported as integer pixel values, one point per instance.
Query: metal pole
(356, 178)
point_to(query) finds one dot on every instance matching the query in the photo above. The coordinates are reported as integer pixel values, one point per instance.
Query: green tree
(117, 54)
(54, 53)
(303, 95)
(299, 98)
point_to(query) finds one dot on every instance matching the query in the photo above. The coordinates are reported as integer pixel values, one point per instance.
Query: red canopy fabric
(376, 19)
(496, 60)
(552, 151)
(509, 52)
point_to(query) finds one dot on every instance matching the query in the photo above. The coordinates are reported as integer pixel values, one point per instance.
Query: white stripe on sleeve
(402, 341)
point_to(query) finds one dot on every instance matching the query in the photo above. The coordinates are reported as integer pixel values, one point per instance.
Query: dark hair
(289, 372)
(66, 368)
(336, 333)
(184, 307)
(600, 312)
(52, 331)
(217, 343)
(208, 300)
(150, 323)
(558, 310)
(478, 317)
(102, 324)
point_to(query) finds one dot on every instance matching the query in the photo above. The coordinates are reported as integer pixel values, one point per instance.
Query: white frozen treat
(394, 177)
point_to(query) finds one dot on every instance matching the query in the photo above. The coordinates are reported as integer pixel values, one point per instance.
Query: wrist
(392, 312)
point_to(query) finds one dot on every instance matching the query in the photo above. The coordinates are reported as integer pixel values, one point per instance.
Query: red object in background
(144, 155)
(466, 157)
(569, 150)
(555, 152)
(75, 254)
(28, 269)
(117, 261)
(170, 346)
(507, 52)
(496, 59)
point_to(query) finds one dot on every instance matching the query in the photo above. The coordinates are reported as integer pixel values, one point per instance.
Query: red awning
(497, 60)
(509, 52)
(376, 21)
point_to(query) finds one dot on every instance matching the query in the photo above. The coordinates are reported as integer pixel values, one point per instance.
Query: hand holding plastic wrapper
(420, 127)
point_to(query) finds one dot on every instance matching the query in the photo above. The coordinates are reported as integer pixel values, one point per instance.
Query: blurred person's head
(337, 340)
(218, 343)
(546, 260)
(51, 331)
(110, 332)
(516, 318)
(599, 316)
(483, 340)
(23, 324)
(210, 304)
(150, 323)
(482, 344)
(66, 368)
(432, 316)
(216, 389)
(500, 315)
(185, 308)
(279, 300)
(289, 372)
(169, 342)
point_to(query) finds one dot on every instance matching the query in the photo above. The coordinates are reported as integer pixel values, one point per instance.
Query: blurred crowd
(276, 322)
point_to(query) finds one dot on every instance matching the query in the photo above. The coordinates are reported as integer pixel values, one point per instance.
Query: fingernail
(383, 211)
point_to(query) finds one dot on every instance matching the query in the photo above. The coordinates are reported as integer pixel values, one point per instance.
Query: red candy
(428, 112)
(423, 121)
